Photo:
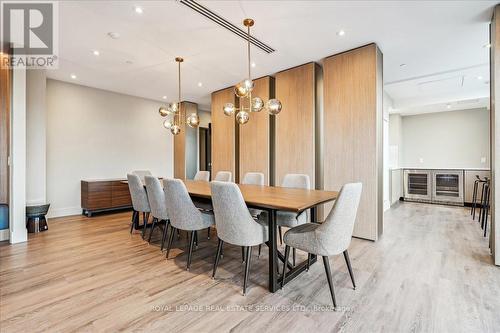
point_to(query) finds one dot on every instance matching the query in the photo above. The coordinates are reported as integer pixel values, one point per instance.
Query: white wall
(395, 140)
(36, 124)
(387, 104)
(93, 133)
(17, 171)
(455, 139)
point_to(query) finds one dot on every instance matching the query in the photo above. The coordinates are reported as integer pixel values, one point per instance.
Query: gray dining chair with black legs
(202, 175)
(183, 214)
(234, 224)
(156, 198)
(254, 178)
(329, 238)
(223, 176)
(291, 219)
(140, 201)
(142, 174)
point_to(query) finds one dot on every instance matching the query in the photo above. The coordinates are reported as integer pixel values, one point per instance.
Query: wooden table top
(273, 197)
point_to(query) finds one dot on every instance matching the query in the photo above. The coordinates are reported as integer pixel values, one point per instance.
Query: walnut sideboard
(104, 195)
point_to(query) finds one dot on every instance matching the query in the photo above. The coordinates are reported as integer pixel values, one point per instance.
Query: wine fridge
(417, 185)
(447, 186)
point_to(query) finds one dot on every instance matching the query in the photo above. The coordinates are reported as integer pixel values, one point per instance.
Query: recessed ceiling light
(164, 97)
(402, 65)
(114, 35)
(73, 76)
(253, 64)
(200, 84)
(448, 106)
(487, 46)
(138, 10)
(96, 52)
(479, 77)
(340, 33)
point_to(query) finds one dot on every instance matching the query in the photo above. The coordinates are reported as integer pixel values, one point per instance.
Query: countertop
(421, 168)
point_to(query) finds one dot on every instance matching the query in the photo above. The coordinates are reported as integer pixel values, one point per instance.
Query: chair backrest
(156, 198)
(296, 180)
(234, 223)
(336, 232)
(180, 208)
(223, 176)
(142, 174)
(138, 193)
(253, 178)
(202, 175)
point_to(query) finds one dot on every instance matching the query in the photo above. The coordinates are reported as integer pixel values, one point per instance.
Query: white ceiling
(435, 39)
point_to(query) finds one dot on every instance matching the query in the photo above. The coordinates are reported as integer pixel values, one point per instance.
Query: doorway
(205, 148)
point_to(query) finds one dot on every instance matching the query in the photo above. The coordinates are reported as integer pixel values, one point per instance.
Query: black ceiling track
(226, 24)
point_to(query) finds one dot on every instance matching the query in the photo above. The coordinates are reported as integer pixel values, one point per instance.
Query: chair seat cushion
(290, 219)
(304, 237)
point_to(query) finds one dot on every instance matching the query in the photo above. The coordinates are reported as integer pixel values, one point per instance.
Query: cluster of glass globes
(242, 90)
(171, 109)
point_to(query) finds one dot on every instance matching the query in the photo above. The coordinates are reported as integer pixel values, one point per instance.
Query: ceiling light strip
(225, 24)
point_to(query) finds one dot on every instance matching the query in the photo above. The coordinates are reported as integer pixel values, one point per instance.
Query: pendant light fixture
(172, 110)
(243, 91)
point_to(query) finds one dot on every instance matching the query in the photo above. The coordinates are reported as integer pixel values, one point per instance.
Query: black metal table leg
(273, 252)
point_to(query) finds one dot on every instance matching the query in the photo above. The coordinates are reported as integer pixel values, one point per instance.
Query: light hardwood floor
(430, 272)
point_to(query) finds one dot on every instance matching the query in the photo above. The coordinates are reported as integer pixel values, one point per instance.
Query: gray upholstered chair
(140, 201)
(291, 219)
(330, 238)
(234, 223)
(183, 214)
(253, 178)
(156, 198)
(142, 174)
(202, 175)
(223, 176)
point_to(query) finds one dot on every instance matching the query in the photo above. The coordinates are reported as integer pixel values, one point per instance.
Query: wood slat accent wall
(295, 124)
(254, 136)
(495, 130)
(223, 134)
(180, 140)
(353, 120)
(5, 97)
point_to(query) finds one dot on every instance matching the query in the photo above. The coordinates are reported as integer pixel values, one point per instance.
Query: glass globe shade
(167, 124)
(229, 109)
(193, 120)
(273, 106)
(163, 111)
(173, 107)
(240, 90)
(257, 104)
(175, 129)
(242, 117)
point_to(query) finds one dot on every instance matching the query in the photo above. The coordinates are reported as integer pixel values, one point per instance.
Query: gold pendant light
(172, 110)
(243, 90)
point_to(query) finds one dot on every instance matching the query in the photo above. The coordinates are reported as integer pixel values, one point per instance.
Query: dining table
(273, 199)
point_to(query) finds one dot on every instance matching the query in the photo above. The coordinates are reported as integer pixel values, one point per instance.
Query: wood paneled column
(223, 134)
(352, 127)
(295, 145)
(255, 136)
(495, 131)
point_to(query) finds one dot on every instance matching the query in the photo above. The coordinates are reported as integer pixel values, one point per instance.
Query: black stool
(485, 207)
(36, 218)
(474, 196)
(483, 182)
